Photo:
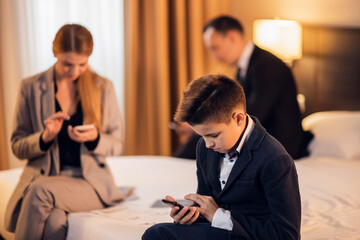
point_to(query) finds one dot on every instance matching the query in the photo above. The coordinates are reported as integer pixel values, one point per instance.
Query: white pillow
(336, 134)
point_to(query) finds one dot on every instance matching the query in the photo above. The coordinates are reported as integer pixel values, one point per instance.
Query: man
(247, 182)
(268, 83)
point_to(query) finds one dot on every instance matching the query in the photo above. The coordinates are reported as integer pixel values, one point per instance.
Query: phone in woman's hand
(83, 128)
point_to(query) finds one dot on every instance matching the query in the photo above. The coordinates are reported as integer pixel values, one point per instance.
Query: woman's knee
(39, 191)
(38, 185)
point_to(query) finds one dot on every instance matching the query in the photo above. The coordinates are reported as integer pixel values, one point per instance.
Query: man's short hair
(210, 98)
(223, 24)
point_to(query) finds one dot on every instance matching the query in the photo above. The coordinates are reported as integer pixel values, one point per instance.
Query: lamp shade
(281, 37)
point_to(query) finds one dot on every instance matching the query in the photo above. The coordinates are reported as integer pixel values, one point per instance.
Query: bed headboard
(328, 74)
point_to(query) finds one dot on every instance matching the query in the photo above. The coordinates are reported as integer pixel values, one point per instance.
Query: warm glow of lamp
(281, 37)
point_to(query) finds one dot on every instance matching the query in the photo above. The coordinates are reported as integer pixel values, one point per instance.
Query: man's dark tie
(239, 78)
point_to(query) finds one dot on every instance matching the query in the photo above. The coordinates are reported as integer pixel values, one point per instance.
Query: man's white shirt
(243, 62)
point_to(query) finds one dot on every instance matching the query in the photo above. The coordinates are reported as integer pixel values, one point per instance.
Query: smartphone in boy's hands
(173, 203)
(176, 204)
(83, 128)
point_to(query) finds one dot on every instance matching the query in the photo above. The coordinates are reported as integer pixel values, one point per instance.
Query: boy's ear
(239, 117)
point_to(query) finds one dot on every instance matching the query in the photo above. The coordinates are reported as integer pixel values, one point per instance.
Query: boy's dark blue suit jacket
(262, 192)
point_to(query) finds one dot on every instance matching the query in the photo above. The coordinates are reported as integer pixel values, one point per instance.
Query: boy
(247, 182)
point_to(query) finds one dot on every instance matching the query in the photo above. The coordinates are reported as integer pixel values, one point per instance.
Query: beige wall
(342, 13)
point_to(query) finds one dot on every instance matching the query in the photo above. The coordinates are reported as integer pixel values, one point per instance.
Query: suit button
(42, 172)
(101, 165)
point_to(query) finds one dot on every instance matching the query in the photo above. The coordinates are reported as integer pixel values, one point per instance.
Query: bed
(329, 184)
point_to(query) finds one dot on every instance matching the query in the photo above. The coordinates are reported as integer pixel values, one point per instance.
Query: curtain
(164, 50)
(38, 21)
(3, 148)
(8, 81)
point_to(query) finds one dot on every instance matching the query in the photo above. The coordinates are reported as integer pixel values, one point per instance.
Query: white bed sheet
(330, 196)
(330, 193)
(8, 181)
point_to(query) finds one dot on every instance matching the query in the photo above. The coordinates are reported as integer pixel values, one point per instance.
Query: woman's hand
(208, 206)
(82, 136)
(53, 126)
(187, 215)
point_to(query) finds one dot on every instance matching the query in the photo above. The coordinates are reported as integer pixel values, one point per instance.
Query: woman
(66, 169)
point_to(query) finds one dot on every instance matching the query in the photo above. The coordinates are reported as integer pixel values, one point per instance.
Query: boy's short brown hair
(210, 98)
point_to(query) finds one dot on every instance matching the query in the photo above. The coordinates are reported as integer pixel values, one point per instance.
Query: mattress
(330, 195)
(8, 181)
(153, 177)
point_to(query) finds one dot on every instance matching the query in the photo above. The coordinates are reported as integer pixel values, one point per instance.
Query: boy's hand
(208, 206)
(187, 215)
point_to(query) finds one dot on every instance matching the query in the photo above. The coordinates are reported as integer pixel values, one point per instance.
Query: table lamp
(280, 37)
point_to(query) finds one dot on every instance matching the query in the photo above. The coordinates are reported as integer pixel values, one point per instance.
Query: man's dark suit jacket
(271, 96)
(188, 149)
(262, 192)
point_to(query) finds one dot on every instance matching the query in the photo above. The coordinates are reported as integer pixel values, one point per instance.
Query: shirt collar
(243, 62)
(244, 137)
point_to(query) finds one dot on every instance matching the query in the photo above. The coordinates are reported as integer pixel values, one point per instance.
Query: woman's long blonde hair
(76, 38)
